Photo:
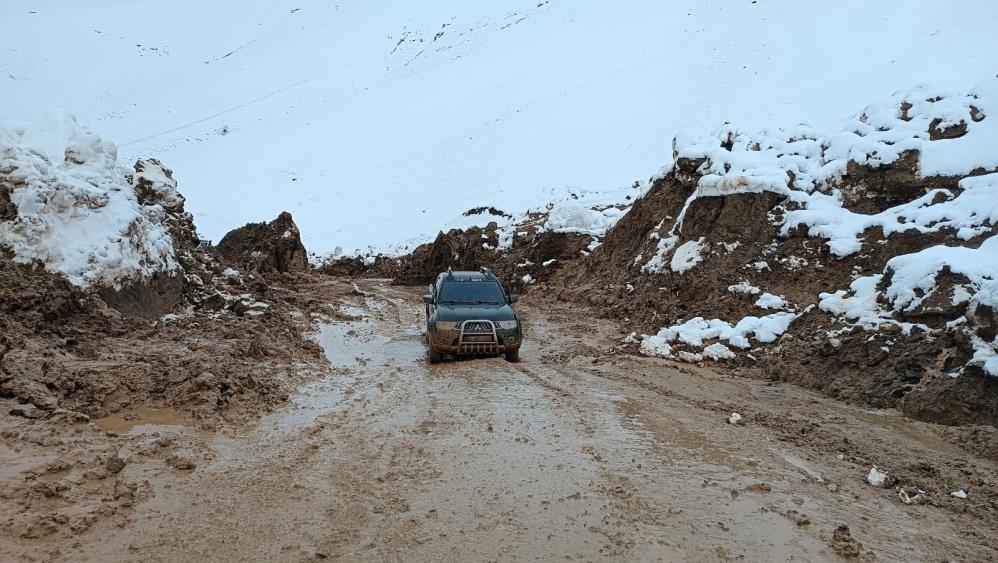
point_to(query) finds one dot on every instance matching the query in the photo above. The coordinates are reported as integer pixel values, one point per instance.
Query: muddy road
(574, 453)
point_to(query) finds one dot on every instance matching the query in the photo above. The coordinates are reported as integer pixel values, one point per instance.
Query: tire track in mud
(673, 457)
(627, 510)
(503, 431)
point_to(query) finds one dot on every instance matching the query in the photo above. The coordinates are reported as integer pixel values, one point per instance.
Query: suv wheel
(513, 356)
(433, 356)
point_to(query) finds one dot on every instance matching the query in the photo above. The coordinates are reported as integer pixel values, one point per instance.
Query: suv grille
(477, 327)
(478, 337)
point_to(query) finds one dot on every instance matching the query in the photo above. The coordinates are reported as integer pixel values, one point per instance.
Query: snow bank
(967, 214)
(950, 131)
(569, 210)
(574, 217)
(950, 134)
(914, 275)
(77, 211)
(697, 330)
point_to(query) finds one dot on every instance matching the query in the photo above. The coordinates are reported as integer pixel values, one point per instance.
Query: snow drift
(71, 208)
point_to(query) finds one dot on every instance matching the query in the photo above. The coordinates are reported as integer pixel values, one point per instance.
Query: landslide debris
(108, 301)
(520, 251)
(110, 305)
(533, 256)
(265, 247)
(856, 263)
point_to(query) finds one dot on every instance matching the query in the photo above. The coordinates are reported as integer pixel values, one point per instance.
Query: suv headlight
(508, 325)
(446, 325)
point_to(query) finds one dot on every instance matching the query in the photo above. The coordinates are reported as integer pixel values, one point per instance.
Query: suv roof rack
(487, 272)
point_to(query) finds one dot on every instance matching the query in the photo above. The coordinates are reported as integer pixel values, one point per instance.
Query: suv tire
(433, 356)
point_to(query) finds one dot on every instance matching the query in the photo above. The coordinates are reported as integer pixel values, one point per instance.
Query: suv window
(472, 293)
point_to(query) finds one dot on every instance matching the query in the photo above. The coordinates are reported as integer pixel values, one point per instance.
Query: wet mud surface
(574, 453)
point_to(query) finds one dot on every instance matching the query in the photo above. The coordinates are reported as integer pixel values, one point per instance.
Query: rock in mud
(155, 186)
(181, 463)
(844, 544)
(115, 464)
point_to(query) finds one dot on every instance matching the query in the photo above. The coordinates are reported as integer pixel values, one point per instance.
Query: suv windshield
(473, 293)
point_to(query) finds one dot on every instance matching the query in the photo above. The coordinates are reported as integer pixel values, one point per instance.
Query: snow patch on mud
(697, 330)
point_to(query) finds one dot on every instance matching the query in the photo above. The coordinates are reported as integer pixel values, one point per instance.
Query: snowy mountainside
(379, 122)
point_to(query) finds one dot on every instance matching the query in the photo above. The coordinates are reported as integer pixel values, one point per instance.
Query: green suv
(469, 314)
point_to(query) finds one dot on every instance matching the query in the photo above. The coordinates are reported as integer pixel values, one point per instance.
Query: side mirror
(513, 298)
(428, 299)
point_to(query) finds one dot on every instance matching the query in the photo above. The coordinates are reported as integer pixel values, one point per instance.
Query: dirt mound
(67, 206)
(534, 255)
(741, 255)
(265, 247)
(741, 246)
(221, 344)
(199, 271)
(63, 348)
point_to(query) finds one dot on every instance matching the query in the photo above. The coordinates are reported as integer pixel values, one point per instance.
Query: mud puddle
(142, 421)
(363, 342)
(355, 343)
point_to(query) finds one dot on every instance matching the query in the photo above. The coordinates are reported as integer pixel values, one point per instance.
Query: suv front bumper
(474, 349)
(479, 342)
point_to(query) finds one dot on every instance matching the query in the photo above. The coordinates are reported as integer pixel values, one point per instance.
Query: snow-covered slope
(921, 163)
(374, 122)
